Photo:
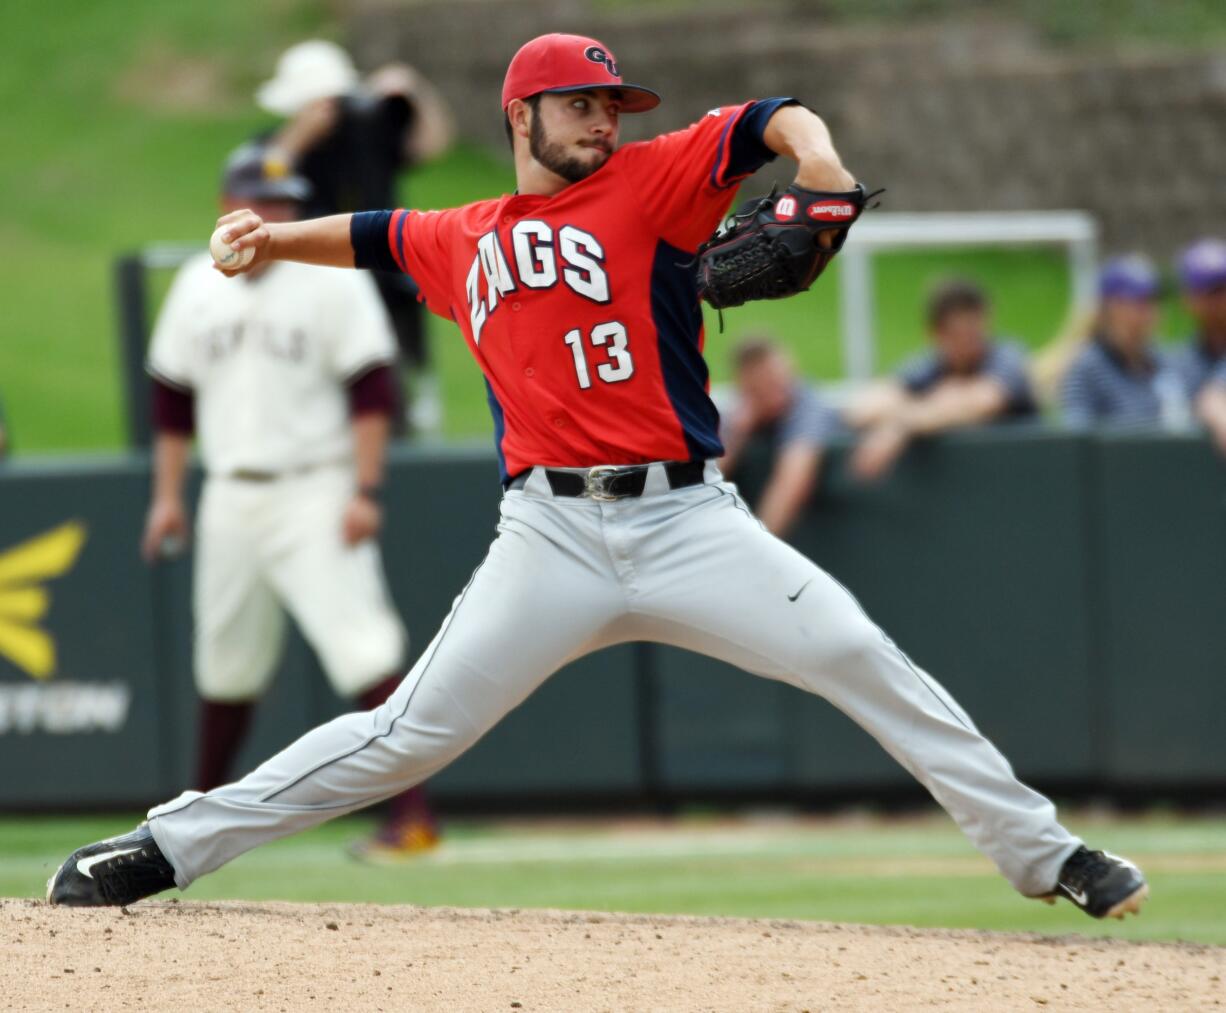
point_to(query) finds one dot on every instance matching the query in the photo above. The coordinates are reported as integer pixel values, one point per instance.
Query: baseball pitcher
(578, 296)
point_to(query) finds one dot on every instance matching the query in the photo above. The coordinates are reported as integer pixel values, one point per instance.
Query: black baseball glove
(769, 249)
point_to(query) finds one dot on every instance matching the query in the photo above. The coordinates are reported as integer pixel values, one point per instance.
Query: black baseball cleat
(112, 873)
(1103, 885)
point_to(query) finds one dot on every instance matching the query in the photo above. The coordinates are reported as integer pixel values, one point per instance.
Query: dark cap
(251, 174)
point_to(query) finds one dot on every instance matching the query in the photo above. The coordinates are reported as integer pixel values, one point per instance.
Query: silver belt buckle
(596, 483)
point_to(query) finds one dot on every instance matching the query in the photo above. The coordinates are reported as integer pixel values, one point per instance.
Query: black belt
(255, 475)
(610, 482)
(251, 475)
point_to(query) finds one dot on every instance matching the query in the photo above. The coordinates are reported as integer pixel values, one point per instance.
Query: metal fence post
(132, 328)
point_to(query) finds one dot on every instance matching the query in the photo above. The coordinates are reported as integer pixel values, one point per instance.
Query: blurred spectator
(1121, 377)
(1211, 406)
(1049, 365)
(1202, 363)
(776, 406)
(969, 378)
(4, 438)
(285, 372)
(351, 139)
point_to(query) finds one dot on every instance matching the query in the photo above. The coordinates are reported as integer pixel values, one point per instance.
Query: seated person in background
(1121, 377)
(1202, 363)
(969, 378)
(776, 405)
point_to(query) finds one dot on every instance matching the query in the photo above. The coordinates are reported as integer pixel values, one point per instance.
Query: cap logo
(598, 55)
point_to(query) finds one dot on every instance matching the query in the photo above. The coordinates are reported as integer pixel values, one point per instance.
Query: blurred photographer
(351, 139)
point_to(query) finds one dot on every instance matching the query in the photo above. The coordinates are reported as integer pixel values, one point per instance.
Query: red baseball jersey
(581, 308)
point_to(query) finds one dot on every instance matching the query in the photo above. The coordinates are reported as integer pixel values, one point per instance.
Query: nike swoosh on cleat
(1078, 898)
(793, 597)
(85, 864)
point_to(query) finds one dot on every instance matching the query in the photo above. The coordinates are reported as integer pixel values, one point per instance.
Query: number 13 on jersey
(612, 338)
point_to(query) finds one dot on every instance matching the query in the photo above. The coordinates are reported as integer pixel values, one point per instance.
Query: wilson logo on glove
(785, 207)
(832, 211)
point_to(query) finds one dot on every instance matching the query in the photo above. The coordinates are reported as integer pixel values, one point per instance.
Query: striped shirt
(807, 421)
(1104, 388)
(1004, 362)
(1197, 365)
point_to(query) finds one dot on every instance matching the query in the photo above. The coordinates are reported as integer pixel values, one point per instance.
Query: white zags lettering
(585, 255)
(536, 257)
(476, 306)
(498, 278)
(532, 242)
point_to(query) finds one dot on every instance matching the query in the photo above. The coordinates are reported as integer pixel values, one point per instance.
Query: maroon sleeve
(174, 409)
(372, 392)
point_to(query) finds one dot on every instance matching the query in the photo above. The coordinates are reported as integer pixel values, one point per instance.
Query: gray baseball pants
(690, 567)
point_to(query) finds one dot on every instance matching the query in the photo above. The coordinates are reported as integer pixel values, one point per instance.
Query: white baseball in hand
(225, 255)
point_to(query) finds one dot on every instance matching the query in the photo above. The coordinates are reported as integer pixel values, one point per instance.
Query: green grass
(916, 872)
(116, 140)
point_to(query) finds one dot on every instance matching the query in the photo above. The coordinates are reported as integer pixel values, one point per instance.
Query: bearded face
(573, 134)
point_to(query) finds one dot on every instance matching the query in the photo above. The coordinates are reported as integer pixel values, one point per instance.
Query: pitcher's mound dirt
(292, 957)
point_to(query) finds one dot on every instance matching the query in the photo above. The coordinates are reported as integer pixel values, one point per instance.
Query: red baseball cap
(560, 63)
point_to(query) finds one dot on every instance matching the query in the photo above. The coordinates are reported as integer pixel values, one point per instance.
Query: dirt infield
(295, 957)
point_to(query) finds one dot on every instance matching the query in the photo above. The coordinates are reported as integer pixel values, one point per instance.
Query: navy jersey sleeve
(369, 236)
(414, 242)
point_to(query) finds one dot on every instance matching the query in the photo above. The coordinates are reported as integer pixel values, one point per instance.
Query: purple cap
(1130, 277)
(1202, 266)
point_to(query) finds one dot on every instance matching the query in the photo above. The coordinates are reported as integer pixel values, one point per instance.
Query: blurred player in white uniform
(287, 379)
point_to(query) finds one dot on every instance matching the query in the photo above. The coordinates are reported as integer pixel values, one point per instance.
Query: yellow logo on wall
(23, 601)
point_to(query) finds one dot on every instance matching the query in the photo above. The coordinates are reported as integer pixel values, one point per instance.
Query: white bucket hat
(306, 72)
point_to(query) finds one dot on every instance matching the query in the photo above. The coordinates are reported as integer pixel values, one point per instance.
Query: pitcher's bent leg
(525, 611)
(742, 611)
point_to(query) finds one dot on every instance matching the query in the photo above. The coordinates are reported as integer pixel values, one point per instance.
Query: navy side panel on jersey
(678, 318)
(500, 427)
